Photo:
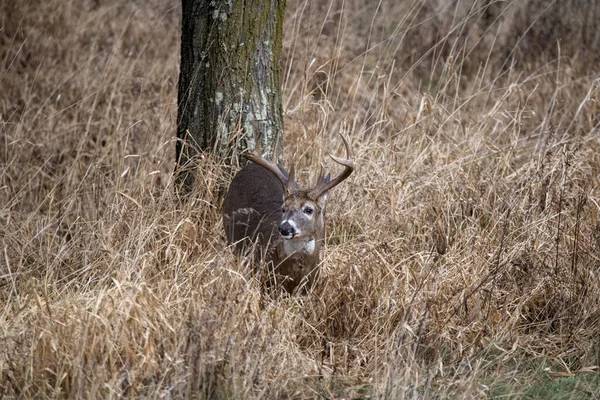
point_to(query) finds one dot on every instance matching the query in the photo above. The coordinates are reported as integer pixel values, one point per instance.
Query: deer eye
(308, 210)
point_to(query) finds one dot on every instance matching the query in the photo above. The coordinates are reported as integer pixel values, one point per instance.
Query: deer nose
(286, 230)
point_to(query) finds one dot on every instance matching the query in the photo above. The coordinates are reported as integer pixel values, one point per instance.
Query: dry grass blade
(462, 257)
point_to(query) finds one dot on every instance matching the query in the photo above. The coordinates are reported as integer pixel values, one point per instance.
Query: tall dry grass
(462, 253)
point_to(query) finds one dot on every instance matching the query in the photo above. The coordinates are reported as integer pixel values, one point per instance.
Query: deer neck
(299, 247)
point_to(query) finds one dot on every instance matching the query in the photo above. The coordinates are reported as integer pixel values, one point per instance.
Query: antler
(272, 168)
(324, 184)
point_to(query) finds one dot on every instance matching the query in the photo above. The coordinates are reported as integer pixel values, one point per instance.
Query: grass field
(462, 258)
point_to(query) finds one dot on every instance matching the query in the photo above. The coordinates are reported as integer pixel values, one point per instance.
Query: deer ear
(322, 200)
(291, 183)
(323, 180)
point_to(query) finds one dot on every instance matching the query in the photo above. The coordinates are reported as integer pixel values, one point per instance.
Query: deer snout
(287, 230)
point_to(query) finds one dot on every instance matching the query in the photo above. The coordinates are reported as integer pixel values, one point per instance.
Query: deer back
(252, 208)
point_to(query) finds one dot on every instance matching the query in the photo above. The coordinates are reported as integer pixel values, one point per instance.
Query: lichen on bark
(229, 96)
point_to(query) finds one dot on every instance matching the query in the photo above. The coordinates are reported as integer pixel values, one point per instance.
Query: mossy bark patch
(229, 95)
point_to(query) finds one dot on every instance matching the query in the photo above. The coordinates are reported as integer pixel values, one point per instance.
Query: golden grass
(463, 250)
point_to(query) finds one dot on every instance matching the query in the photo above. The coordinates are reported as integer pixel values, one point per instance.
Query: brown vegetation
(462, 252)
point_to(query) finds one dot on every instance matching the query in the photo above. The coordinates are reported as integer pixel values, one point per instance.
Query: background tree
(229, 95)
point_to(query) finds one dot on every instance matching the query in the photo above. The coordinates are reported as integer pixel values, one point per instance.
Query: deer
(266, 210)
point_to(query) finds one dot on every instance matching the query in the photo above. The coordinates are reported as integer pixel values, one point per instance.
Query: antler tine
(269, 166)
(323, 186)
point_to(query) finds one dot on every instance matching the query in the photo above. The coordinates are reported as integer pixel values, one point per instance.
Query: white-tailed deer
(266, 208)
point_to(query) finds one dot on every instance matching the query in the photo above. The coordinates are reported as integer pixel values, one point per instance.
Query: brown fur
(262, 198)
(252, 212)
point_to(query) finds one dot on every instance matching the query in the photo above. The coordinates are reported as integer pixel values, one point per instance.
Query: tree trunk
(229, 96)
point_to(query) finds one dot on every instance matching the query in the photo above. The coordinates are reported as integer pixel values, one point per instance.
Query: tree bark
(229, 97)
